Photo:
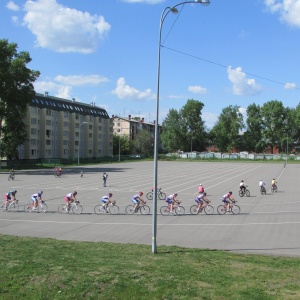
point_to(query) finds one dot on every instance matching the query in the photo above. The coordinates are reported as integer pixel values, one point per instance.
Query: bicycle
(142, 208)
(12, 205)
(112, 209)
(243, 192)
(274, 188)
(11, 177)
(41, 207)
(208, 209)
(74, 207)
(263, 190)
(233, 208)
(57, 174)
(161, 195)
(178, 209)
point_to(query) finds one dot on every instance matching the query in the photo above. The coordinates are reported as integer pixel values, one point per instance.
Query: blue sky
(234, 52)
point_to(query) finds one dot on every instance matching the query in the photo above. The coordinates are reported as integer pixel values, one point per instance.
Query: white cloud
(197, 89)
(80, 79)
(12, 6)
(124, 91)
(57, 90)
(15, 19)
(210, 119)
(290, 85)
(240, 84)
(288, 10)
(64, 29)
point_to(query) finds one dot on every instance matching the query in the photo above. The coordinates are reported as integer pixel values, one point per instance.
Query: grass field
(32, 268)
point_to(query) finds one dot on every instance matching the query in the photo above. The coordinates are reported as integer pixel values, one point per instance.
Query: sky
(236, 52)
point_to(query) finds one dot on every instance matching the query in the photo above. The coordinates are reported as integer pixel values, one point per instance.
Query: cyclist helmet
(40, 192)
(15, 191)
(230, 193)
(110, 194)
(200, 184)
(175, 194)
(141, 193)
(242, 180)
(75, 193)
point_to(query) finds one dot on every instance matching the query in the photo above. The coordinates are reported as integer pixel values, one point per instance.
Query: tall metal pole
(154, 213)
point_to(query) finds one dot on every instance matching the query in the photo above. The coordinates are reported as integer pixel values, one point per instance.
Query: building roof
(59, 104)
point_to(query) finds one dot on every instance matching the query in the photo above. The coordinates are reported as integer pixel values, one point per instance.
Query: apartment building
(131, 127)
(61, 128)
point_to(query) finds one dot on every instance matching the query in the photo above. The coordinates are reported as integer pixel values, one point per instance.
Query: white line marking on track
(150, 224)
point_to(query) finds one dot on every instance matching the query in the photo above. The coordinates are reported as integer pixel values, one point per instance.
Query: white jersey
(261, 183)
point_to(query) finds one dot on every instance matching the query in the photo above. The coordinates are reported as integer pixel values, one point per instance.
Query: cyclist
(70, 198)
(10, 196)
(200, 189)
(35, 198)
(171, 200)
(12, 172)
(261, 184)
(242, 186)
(200, 200)
(106, 200)
(273, 183)
(136, 199)
(226, 200)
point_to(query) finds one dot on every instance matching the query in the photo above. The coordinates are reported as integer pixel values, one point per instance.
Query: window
(48, 112)
(66, 114)
(65, 143)
(100, 128)
(66, 133)
(76, 143)
(33, 121)
(48, 133)
(90, 151)
(33, 131)
(33, 152)
(48, 122)
(90, 126)
(33, 142)
(33, 110)
(66, 124)
(48, 142)
(90, 135)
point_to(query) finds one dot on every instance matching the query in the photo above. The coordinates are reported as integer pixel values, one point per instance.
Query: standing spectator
(104, 179)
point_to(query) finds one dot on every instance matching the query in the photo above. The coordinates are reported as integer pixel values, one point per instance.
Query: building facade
(131, 127)
(60, 128)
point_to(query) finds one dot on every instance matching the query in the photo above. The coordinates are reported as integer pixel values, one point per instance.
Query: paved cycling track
(268, 224)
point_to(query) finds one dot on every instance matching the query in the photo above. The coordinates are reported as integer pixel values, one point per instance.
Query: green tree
(16, 92)
(274, 120)
(226, 133)
(193, 129)
(252, 139)
(121, 144)
(144, 143)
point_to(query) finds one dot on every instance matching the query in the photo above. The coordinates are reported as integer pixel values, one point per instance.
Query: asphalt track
(268, 224)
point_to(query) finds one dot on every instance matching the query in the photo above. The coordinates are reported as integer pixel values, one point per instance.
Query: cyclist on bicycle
(106, 200)
(12, 172)
(200, 200)
(226, 199)
(136, 199)
(70, 198)
(35, 198)
(10, 196)
(171, 200)
(242, 186)
(261, 184)
(273, 183)
(200, 189)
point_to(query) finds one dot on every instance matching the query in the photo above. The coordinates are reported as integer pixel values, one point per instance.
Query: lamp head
(203, 2)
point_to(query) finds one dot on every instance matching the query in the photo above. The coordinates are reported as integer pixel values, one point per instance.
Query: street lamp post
(79, 140)
(162, 18)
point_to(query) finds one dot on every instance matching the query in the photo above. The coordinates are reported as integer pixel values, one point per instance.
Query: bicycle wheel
(62, 209)
(77, 209)
(149, 196)
(235, 209)
(162, 196)
(42, 207)
(99, 209)
(9, 178)
(129, 210)
(113, 210)
(241, 193)
(145, 210)
(179, 210)
(164, 210)
(247, 193)
(28, 207)
(263, 191)
(194, 210)
(221, 210)
(209, 210)
(13, 206)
